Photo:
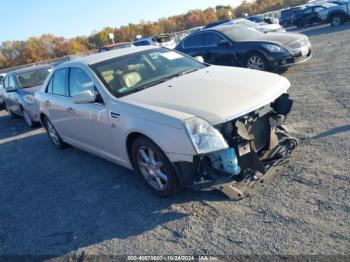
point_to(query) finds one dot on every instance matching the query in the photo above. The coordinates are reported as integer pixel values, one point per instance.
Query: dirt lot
(69, 202)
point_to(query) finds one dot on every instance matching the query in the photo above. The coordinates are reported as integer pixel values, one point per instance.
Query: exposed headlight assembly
(204, 136)
(273, 48)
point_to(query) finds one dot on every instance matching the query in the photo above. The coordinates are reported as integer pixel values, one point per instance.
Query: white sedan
(174, 120)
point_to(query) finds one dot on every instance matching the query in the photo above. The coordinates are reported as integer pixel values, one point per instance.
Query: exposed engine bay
(257, 141)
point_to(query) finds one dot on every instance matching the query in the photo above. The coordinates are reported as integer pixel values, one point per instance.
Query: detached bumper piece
(258, 146)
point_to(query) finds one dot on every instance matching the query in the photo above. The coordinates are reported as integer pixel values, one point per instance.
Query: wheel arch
(259, 52)
(130, 140)
(42, 117)
(338, 12)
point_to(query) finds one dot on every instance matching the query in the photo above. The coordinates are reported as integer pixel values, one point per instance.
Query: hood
(30, 90)
(282, 38)
(269, 27)
(216, 93)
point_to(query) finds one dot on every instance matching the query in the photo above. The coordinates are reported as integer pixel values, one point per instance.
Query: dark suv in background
(288, 16)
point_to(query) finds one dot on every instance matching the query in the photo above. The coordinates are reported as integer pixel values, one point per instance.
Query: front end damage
(258, 143)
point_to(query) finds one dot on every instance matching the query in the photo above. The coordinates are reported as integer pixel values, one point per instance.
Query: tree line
(48, 46)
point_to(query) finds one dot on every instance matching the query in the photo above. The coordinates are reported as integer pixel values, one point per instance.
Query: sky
(21, 19)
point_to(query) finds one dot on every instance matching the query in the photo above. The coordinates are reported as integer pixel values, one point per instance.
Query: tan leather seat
(131, 79)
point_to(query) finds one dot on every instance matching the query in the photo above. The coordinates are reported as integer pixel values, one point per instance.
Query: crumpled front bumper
(260, 147)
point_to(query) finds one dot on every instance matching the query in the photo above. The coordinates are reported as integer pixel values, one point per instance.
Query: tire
(27, 119)
(337, 20)
(53, 134)
(152, 164)
(257, 61)
(12, 115)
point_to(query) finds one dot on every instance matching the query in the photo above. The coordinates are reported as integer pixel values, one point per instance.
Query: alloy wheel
(152, 168)
(256, 62)
(52, 133)
(336, 20)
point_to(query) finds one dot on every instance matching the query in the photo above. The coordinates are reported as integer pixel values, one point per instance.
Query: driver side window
(79, 81)
(212, 39)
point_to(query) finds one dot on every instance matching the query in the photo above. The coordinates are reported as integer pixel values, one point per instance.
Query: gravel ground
(69, 202)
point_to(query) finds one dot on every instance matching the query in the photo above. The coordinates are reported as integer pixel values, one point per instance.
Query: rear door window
(59, 82)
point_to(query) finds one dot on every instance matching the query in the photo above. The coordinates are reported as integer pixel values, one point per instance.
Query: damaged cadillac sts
(177, 122)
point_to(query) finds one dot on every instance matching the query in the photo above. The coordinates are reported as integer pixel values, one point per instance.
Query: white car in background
(164, 40)
(265, 28)
(175, 121)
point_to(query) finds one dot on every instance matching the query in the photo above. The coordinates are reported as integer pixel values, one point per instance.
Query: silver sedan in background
(20, 86)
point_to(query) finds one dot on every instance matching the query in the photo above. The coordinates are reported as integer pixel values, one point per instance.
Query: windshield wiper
(149, 85)
(186, 72)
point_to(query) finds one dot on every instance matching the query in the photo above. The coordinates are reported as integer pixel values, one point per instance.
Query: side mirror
(199, 59)
(224, 43)
(10, 89)
(84, 97)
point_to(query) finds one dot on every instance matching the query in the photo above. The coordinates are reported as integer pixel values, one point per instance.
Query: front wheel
(154, 166)
(337, 20)
(53, 135)
(257, 61)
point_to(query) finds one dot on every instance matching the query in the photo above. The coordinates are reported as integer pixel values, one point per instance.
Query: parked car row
(262, 27)
(335, 12)
(174, 120)
(18, 91)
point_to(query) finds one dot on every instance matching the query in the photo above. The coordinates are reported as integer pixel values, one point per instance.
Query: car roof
(224, 27)
(100, 57)
(31, 68)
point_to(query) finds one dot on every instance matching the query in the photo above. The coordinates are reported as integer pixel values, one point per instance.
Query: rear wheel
(257, 61)
(154, 166)
(337, 19)
(53, 135)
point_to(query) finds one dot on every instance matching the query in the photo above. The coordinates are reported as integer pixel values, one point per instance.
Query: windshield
(241, 33)
(32, 78)
(132, 73)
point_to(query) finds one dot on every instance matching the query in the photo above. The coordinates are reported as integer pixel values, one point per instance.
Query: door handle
(70, 110)
(47, 102)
